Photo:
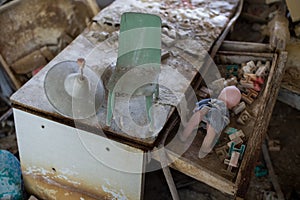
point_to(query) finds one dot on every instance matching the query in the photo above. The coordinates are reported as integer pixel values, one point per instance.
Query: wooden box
(211, 170)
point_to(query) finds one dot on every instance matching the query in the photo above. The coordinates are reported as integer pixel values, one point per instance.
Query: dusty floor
(284, 126)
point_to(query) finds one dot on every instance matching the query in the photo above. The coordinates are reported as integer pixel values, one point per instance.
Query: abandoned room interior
(148, 99)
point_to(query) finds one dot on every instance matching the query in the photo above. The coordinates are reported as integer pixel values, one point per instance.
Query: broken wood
(290, 86)
(261, 124)
(6, 115)
(47, 53)
(29, 62)
(226, 30)
(279, 32)
(272, 174)
(163, 157)
(94, 6)
(241, 46)
(289, 97)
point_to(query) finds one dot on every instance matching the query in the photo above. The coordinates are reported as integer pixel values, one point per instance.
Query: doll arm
(193, 123)
(209, 141)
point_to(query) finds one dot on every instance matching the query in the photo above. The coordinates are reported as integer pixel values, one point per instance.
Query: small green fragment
(230, 130)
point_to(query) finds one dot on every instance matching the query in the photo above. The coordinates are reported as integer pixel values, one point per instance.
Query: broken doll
(214, 113)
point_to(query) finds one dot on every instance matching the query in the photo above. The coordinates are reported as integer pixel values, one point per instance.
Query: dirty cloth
(217, 116)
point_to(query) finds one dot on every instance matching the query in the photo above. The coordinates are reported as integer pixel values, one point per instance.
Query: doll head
(231, 95)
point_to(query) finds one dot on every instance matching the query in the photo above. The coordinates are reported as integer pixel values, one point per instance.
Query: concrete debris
(39, 24)
(166, 40)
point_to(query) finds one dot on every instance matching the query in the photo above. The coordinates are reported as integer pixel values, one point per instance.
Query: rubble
(36, 31)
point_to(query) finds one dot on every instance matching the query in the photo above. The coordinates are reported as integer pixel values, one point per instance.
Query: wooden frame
(212, 171)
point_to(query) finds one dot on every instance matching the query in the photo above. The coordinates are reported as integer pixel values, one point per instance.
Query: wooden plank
(201, 173)
(279, 30)
(245, 46)
(263, 120)
(94, 6)
(290, 86)
(271, 172)
(15, 81)
(220, 40)
(294, 8)
(289, 97)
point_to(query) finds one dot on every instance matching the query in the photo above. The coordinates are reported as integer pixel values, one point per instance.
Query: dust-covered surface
(188, 33)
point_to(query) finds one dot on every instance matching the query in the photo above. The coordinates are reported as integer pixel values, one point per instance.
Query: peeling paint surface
(61, 162)
(116, 195)
(50, 174)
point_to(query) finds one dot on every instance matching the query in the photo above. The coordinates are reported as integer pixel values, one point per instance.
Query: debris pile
(33, 32)
(250, 78)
